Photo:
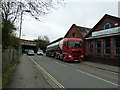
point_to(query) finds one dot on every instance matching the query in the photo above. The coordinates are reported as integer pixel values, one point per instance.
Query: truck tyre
(64, 58)
(55, 56)
(59, 57)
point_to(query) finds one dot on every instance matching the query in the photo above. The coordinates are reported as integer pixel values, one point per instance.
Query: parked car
(30, 52)
(25, 50)
(39, 52)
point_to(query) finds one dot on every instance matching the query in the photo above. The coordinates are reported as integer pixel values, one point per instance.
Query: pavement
(103, 66)
(26, 75)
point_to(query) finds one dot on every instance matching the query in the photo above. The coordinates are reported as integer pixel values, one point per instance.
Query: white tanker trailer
(67, 49)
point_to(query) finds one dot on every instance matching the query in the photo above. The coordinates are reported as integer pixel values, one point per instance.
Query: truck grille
(76, 51)
(76, 56)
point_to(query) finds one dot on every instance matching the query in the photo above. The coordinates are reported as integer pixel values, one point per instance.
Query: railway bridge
(28, 44)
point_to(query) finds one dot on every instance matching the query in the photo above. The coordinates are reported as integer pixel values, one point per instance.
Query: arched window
(107, 25)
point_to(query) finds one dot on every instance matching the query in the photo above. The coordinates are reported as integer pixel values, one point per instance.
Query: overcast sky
(57, 23)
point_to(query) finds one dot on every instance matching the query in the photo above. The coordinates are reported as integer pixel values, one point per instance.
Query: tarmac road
(77, 75)
(46, 72)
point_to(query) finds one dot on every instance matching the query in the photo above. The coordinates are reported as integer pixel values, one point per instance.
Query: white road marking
(84, 66)
(101, 69)
(89, 74)
(60, 63)
(98, 78)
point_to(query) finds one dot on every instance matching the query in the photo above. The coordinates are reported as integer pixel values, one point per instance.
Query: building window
(107, 25)
(117, 45)
(73, 34)
(107, 46)
(90, 47)
(98, 46)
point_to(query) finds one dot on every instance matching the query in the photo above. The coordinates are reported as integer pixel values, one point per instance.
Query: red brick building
(77, 32)
(102, 43)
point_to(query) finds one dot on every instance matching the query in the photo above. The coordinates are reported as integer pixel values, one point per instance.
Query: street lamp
(21, 21)
(21, 26)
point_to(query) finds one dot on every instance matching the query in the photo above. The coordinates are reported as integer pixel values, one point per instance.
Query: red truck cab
(73, 49)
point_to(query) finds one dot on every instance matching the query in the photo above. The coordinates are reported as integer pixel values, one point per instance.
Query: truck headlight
(69, 56)
(81, 56)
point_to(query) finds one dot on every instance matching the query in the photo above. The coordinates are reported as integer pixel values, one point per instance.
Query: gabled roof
(101, 20)
(55, 41)
(82, 30)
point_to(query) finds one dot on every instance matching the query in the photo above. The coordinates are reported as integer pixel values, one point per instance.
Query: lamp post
(21, 27)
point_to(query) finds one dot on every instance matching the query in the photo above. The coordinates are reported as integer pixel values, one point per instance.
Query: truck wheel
(59, 57)
(55, 56)
(64, 58)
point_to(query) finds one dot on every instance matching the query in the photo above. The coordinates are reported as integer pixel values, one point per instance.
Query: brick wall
(73, 33)
(102, 47)
(111, 21)
(112, 47)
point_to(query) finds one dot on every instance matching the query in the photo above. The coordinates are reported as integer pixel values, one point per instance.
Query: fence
(9, 56)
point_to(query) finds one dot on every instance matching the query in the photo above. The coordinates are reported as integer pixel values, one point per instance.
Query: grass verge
(6, 75)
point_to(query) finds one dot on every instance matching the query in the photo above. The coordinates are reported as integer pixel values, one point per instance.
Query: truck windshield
(75, 44)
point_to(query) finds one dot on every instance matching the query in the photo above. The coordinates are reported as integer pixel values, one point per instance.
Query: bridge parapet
(28, 43)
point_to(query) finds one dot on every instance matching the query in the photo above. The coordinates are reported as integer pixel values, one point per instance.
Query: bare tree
(11, 9)
(42, 42)
(46, 38)
(43, 38)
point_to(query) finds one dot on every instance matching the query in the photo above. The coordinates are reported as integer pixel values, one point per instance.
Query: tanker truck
(67, 49)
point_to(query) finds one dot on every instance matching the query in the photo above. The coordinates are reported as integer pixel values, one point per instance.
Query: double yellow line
(48, 76)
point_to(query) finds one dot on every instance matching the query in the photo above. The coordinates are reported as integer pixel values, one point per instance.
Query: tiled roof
(83, 30)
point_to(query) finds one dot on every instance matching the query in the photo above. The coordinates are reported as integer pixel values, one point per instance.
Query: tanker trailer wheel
(64, 58)
(59, 57)
(55, 56)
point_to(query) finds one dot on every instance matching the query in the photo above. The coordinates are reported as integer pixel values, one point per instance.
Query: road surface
(76, 75)
(60, 74)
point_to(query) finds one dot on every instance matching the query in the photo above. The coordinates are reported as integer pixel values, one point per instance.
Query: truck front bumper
(74, 59)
